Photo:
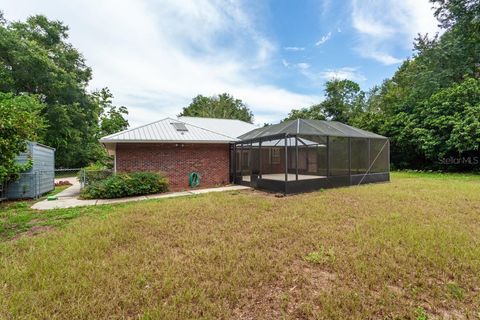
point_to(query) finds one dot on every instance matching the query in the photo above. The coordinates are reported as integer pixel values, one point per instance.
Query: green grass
(17, 219)
(408, 249)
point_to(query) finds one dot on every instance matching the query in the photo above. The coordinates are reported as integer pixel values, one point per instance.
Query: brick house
(178, 147)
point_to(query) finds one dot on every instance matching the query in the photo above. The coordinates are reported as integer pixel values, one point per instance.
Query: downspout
(115, 160)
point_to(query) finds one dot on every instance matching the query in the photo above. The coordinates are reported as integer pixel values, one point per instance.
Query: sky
(275, 55)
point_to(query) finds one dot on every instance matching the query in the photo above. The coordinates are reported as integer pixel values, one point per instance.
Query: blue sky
(275, 55)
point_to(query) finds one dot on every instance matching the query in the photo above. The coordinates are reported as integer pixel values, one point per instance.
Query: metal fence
(67, 172)
(87, 177)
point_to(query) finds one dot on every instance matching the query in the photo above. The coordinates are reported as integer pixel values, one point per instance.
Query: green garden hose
(194, 179)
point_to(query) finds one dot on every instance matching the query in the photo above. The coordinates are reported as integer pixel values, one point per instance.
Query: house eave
(171, 141)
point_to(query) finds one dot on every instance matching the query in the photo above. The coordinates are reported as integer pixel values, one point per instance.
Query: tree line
(430, 108)
(44, 96)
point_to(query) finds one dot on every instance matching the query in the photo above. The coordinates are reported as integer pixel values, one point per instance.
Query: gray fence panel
(24, 187)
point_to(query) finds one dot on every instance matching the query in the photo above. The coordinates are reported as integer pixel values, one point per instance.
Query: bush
(126, 184)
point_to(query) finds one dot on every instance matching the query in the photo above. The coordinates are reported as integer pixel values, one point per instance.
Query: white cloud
(303, 65)
(326, 5)
(298, 66)
(323, 39)
(294, 48)
(383, 57)
(384, 25)
(319, 78)
(157, 55)
(342, 73)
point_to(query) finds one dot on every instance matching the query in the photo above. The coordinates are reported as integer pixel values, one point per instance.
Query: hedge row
(125, 185)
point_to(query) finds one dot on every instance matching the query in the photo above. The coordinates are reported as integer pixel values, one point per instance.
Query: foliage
(343, 101)
(222, 106)
(449, 121)
(125, 185)
(112, 118)
(19, 122)
(430, 107)
(313, 112)
(36, 58)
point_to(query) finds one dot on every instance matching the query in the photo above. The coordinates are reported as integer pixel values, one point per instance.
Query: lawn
(406, 249)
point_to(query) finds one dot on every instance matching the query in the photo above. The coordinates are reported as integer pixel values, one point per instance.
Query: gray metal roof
(280, 142)
(229, 127)
(165, 131)
(310, 127)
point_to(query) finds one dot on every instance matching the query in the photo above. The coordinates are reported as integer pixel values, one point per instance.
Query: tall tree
(36, 58)
(19, 122)
(315, 112)
(429, 108)
(112, 118)
(222, 106)
(343, 102)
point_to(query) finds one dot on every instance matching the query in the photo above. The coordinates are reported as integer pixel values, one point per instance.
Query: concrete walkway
(68, 198)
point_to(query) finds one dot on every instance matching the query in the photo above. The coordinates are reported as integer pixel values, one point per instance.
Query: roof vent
(179, 126)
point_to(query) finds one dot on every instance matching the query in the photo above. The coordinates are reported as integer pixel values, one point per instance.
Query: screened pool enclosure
(306, 155)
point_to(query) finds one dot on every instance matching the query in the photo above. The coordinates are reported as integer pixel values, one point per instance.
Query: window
(275, 155)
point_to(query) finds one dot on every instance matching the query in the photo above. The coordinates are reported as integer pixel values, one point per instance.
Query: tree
(222, 106)
(343, 102)
(20, 121)
(112, 118)
(36, 58)
(429, 108)
(449, 122)
(314, 112)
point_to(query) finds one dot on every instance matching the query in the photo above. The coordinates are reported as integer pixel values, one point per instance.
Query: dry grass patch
(377, 251)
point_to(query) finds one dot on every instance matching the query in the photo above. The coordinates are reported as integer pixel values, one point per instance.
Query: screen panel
(312, 158)
(379, 150)
(359, 155)
(338, 156)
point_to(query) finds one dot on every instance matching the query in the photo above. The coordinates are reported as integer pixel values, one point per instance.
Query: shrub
(126, 184)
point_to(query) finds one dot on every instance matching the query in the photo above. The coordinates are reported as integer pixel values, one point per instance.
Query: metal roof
(229, 127)
(166, 130)
(310, 127)
(280, 142)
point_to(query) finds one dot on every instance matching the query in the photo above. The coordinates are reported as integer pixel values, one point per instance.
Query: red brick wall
(177, 161)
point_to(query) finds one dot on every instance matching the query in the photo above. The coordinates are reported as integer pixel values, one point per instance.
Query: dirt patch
(396, 289)
(62, 183)
(288, 296)
(448, 315)
(33, 231)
